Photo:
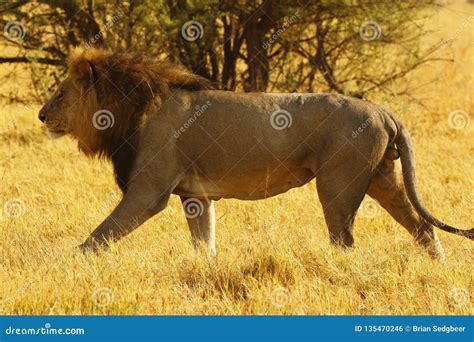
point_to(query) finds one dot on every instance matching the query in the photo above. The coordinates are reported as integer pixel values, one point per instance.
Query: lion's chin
(55, 134)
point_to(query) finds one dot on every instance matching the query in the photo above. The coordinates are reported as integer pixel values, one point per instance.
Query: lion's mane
(129, 85)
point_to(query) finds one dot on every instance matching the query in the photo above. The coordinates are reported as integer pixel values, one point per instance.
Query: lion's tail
(407, 158)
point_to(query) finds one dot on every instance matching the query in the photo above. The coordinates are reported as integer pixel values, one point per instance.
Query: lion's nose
(42, 117)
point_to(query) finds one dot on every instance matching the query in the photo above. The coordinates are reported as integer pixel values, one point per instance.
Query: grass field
(273, 255)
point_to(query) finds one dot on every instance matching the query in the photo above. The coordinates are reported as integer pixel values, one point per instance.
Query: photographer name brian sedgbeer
(436, 329)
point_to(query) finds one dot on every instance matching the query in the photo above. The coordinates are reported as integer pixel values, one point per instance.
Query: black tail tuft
(408, 168)
(468, 233)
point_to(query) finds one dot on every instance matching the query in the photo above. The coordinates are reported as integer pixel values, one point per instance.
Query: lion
(169, 131)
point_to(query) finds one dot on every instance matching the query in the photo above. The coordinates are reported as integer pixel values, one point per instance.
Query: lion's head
(106, 97)
(61, 111)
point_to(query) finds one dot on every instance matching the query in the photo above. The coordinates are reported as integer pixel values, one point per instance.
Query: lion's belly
(253, 186)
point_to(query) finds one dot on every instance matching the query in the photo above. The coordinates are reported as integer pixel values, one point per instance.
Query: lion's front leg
(131, 212)
(201, 218)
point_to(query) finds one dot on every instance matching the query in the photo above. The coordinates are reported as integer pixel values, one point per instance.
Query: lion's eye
(60, 95)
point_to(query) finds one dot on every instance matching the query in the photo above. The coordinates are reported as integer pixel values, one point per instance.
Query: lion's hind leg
(341, 191)
(201, 217)
(388, 189)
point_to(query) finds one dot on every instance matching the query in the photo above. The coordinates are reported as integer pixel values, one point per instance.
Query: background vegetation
(255, 45)
(273, 255)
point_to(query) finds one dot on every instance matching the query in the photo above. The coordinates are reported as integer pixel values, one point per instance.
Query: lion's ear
(84, 74)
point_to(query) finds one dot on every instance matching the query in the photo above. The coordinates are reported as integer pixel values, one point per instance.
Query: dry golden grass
(273, 255)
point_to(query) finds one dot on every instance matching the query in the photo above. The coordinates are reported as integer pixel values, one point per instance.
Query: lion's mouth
(54, 134)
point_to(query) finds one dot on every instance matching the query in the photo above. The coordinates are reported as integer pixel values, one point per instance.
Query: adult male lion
(170, 133)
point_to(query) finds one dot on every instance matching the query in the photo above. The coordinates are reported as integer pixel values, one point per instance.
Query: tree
(350, 47)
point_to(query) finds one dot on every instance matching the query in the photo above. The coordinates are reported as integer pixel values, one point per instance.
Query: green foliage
(254, 45)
